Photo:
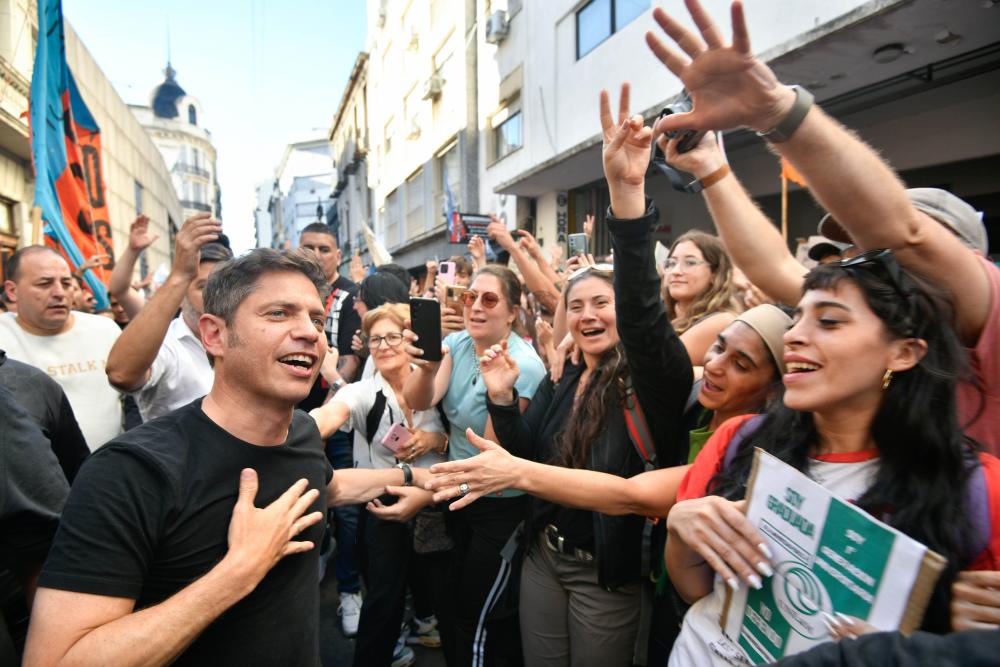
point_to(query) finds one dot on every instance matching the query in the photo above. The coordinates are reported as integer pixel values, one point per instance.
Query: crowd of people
(567, 484)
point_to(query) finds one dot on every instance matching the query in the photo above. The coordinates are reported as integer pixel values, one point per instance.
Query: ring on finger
(464, 488)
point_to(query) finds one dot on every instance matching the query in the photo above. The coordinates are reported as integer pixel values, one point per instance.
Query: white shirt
(359, 397)
(179, 374)
(76, 360)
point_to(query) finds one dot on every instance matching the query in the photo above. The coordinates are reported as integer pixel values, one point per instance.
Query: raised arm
(130, 359)
(647, 494)
(658, 362)
(539, 285)
(428, 384)
(120, 281)
(751, 239)
(69, 628)
(529, 244)
(730, 87)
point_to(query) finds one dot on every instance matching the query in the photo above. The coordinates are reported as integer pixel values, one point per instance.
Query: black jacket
(661, 376)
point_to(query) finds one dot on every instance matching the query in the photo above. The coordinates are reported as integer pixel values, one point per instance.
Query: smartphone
(578, 245)
(396, 438)
(425, 318)
(447, 272)
(453, 297)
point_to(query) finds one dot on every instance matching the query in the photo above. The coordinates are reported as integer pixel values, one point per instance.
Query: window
(448, 178)
(599, 19)
(507, 132)
(192, 115)
(415, 204)
(390, 131)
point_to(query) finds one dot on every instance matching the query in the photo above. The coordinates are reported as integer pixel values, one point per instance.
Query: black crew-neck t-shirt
(149, 513)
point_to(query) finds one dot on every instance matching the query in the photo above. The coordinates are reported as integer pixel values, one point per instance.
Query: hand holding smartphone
(396, 438)
(425, 320)
(578, 245)
(447, 272)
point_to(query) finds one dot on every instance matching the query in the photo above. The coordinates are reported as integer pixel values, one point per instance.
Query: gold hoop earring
(886, 379)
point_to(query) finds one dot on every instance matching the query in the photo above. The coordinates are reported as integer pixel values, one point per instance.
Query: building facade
(422, 122)
(136, 178)
(352, 198)
(893, 70)
(173, 120)
(300, 191)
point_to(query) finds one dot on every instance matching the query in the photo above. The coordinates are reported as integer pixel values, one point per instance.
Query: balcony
(184, 168)
(195, 205)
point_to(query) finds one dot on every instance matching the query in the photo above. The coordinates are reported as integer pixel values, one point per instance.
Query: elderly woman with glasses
(373, 407)
(481, 629)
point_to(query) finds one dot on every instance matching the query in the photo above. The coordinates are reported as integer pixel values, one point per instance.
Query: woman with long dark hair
(869, 412)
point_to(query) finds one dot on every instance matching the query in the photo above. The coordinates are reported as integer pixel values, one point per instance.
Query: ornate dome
(165, 95)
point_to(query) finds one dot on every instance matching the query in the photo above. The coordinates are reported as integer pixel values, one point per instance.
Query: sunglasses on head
(602, 268)
(884, 263)
(488, 299)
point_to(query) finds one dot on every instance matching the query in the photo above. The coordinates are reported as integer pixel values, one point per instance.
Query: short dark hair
(231, 283)
(380, 288)
(14, 263)
(401, 274)
(318, 228)
(462, 265)
(216, 251)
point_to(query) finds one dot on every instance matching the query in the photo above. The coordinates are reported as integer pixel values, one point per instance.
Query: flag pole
(36, 225)
(784, 208)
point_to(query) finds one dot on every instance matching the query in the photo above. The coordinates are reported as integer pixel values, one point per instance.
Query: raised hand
(702, 160)
(260, 537)
(588, 225)
(500, 373)
(497, 231)
(139, 237)
(451, 321)
(626, 157)
(494, 469)
(477, 248)
(729, 86)
(416, 354)
(329, 367)
(357, 269)
(528, 243)
(195, 232)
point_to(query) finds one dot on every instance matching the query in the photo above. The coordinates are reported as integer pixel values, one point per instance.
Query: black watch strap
(784, 130)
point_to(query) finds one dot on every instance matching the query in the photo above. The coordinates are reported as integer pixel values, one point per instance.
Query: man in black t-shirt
(161, 557)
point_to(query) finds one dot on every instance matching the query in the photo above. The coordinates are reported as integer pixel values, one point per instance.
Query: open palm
(626, 143)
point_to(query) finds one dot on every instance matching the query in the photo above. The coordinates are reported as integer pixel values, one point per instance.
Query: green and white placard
(829, 556)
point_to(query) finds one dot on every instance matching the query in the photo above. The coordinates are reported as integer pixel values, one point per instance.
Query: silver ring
(464, 488)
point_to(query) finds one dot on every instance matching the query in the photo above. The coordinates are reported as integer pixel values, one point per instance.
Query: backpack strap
(978, 504)
(742, 433)
(374, 416)
(638, 428)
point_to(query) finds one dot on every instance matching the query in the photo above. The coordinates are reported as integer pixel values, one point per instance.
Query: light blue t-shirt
(465, 402)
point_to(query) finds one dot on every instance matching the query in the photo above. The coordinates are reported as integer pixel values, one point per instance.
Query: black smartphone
(425, 318)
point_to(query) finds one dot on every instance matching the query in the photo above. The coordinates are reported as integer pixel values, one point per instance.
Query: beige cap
(770, 323)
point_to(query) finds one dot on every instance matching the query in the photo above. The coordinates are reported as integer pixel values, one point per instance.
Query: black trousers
(483, 622)
(387, 563)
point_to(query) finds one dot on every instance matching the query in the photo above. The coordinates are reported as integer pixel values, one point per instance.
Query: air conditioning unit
(433, 87)
(497, 27)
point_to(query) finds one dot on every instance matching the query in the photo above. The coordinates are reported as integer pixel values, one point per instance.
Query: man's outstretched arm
(69, 628)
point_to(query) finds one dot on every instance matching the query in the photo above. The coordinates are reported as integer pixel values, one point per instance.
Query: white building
(172, 121)
(135, 177)
(918, 79)
(301, 190)
(263, 228)
(352, 198)
(422, 122)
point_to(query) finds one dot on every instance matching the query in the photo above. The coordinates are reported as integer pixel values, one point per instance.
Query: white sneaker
(403, 655)
(350, 612)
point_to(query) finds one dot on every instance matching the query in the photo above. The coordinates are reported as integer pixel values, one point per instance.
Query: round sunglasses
(488, 299)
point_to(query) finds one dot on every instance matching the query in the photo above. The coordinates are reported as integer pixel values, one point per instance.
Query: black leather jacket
(661, 377)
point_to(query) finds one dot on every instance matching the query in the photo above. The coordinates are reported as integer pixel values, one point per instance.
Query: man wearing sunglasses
(930, 231)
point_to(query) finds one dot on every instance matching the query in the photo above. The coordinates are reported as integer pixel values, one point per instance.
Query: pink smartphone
(447, 271)
(396, 438)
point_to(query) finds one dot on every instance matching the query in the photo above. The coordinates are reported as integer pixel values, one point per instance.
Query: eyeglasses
(604, 268)
(488, 299)
(392, 340)
(687, 263)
